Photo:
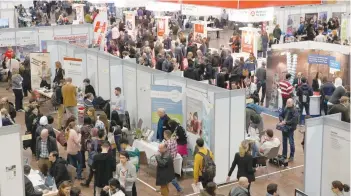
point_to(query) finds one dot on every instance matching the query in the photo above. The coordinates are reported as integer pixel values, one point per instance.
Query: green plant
(138, 133)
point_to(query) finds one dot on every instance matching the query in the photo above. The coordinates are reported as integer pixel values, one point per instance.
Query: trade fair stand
(145, 90)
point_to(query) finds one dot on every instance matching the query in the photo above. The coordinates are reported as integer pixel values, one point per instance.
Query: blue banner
(168, 98)
(319, 59)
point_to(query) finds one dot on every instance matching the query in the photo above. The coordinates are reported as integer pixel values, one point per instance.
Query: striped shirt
(172, 148)
(286, 89)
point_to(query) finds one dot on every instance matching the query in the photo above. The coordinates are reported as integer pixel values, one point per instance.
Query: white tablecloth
(46, 93)
(151, 149)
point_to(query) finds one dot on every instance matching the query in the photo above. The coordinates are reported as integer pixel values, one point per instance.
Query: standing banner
(36, 61)
(79, 13)
(130, 23)
(170, 99)
(161, 27)
(344, 27)
(100, 26)
(247, 41)
(73, 69)
(200, 31)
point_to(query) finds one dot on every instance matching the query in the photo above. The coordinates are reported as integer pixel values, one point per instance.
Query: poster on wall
(309, 63)
(36, 62)
(170, 99)
(323, 16)
(80, 40)
(73, 69)
(194, 115)
(293, 23)
(161, 27)
(207, 113)
(247, 41)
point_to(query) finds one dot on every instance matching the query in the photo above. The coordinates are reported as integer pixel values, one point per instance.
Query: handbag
(282, 128)
(245, 72)
(60, 137)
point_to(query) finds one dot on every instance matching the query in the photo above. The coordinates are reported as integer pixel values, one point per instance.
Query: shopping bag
(197, 187)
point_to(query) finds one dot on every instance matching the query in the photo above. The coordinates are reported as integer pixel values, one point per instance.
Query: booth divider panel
(28, 37)
(80, 29)
(52, 48)
(62, 30)
(92, 67)
(335, 154)
(80, 53)
(103, 77)
(130, 91)
(144, 97)
(62, 51)
(70, 50)
(116, 72)
(7, 38)
(10, 14)
(221, 136)
(160, 79)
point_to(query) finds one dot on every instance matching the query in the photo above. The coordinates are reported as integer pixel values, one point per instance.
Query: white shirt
(268, 145)
(320, 38)
(115, 33)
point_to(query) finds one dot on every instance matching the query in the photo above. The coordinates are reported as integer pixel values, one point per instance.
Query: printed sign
(73, 69)
(319, 59)
(36, 61)
(247, 44)
(334, 66)
(251, 15)
(161, 27)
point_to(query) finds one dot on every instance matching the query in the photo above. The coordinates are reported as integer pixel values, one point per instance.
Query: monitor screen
(4, 23)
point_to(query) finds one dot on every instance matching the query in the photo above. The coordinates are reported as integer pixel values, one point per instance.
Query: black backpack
(208, 166)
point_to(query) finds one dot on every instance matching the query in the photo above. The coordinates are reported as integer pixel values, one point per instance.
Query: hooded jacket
(239, 191)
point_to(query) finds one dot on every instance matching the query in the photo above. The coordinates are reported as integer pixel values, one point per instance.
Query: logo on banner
(252, 13)
(248, 41)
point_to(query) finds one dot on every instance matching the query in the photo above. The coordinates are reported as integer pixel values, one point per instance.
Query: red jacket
(9, 54)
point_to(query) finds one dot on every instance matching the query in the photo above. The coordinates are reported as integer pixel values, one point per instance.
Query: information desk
(37, 180)
(151, 148)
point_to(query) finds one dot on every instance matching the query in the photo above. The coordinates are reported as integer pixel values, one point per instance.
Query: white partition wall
(103, 74)
(130, 90)
(92, 67)
(116, 75)
(11, 172)
(81, 53)
(314, 142)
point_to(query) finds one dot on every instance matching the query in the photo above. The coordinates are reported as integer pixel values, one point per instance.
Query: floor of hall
(288, 179)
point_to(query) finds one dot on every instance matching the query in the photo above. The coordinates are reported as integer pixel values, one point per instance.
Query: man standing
(165, 169)
(202, 156)
(272, 190)
(297, 81)
(69, 94)
(304, 92)
(277, 32)
(173, 151)
(288, 120)
(45, 145)
(242, 189)
(162, 124)
(58, 169)
(286, 89)
(103, 165)
(261, 81)
(327, 90)
(120, 104)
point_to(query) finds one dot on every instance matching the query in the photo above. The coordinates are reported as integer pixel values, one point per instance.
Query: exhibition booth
(219, 112)
(26, 40)
(327, 154)
(309, 58)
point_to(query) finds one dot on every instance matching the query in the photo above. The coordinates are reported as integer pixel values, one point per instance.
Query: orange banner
(161, 27)
(199, 28)
(247, 41)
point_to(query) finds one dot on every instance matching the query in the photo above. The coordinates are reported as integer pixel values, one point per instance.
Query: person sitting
(44, 174)
(88, 102)
(29, 188)
(88, 87)
(267, 143)
(343, 107)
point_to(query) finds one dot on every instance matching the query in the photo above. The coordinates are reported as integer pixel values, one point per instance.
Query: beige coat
(45, 74)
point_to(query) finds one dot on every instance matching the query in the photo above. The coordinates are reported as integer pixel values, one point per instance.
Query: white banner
(73, 69)
(251, 15)
(130, 23)
(79, 12)
(20, 38)
(196, 10)
(36, 61)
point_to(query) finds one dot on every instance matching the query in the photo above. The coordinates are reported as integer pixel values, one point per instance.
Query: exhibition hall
(175, 97)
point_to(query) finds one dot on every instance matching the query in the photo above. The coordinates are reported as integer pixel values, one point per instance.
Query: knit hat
(43, 120)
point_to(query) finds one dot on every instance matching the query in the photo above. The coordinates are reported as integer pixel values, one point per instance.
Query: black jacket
(90, 89)
(228, 63)
(216, 60)
(343, 109)
(104, 165)
(191, 73)
(315, 85)
(29, 188)
(337, 94)
(26, 77)
(302, 90)
(59, 171)
(51, 145)
(159, 63)
(59, 75)
(164, 170)
(59, 97)
(48, 127)
(245, 167)
(290, 116)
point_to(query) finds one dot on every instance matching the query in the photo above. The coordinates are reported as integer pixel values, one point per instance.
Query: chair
(270, 155)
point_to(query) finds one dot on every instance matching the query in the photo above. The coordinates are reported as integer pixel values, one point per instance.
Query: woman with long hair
(243, 159)
(179, 133)
(59, 72)
(25, 73)
(103, 118)
(316, 82)
(85, 131)
(339, 188)
(64, 189)
(73, 138)
(114, 188)
(92, 115)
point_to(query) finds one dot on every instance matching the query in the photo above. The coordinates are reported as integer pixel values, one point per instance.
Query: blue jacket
(162, 125)
(327, 89)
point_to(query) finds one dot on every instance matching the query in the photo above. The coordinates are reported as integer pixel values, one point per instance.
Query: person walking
(103, 165)
(244, 160)
(58, 168)
(45, 145)
(69, 95)
(17, 90)
(164, 170)
(261, 75)
(126, 173)
(74, 155)
(287, 122)
(204, 168)
(277, 32)
(304, 92)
